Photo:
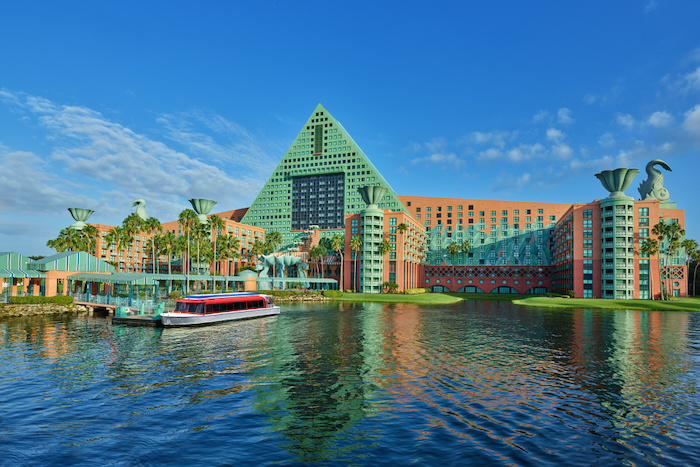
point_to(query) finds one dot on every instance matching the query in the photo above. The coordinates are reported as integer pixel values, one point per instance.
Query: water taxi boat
(216, 308)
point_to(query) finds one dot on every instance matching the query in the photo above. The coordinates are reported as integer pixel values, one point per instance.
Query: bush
(60, 299)
(247, 267)
(416, 291)
(277, 293)
(332, 293)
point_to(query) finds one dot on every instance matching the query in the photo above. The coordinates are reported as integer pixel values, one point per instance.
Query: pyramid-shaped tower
(316, 182)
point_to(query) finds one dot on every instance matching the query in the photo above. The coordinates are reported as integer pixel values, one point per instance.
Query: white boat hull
(192, 319)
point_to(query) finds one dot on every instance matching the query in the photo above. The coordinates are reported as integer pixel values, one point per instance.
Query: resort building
(325, 185)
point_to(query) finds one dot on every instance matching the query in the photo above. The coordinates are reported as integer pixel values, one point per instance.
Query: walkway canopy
(14, 265)
(147, 279)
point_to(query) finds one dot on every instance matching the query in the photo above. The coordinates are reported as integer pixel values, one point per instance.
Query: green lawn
(678, 304)
(425, 299)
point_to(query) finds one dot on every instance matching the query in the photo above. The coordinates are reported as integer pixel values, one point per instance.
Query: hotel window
(392, 221)
(449, 208)
(408, 204)
(504, 213)
(471, 221)
(528, 211)
(493, 220)
(353, 222)
(449, 221)
(417, 216)
(643, 233)
(643, 212)
(516, 212)
(481, 213)
(588, 243)
(493, 213)
(439, 222)
(552, 218)
(516, 219)
(588, 214)
(528, 219)
(439, 208)
(588, 224)
(427, 209)
(417, 209)
(471, 214)
(588, 253)
(471, 207)
(459, 208)
(587, 234)
(427, 216)
(459, 221)
(540, 211)
(459, 214)
(643, 221)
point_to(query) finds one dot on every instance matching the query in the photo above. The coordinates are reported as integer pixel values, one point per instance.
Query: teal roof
(144, 279)
(21, 273)
(12, 260)
(77, 261)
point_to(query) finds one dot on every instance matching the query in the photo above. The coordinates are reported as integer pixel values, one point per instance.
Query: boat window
(191, 307)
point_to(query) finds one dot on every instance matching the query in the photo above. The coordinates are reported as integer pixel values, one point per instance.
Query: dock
(137, 320)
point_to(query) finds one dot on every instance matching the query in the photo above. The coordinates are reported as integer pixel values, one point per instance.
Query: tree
(675, 234)
(275, 238)
(87, 239)
(169, 243)
(337, 244)
(453, 249)
(257, 248)
(116, 238)
(696, 260)
(132, 225)
(154, 249)
(691, 247)
(384, 248)
(216, 223)
(187, 220)
(660, 231)
(317, 251)
(649, 248)
(151, 226)
(356, 245)
(229, 247)
(465, 247)
(402, 228)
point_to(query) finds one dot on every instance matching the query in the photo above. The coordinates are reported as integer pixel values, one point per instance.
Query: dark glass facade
(318, 200)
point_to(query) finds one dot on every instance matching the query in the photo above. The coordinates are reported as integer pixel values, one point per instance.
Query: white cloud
(660, 119)
(650, 6)
(692, 122)
(625, 120)
(495, 138)
(564, 116)
(607, 140)
(561, 151)
(523, 180)
(539, 116)
(116, 165)
(555, 135)
(692, 81)
(490, 154)
(590, 98)
(436, 144)
(445, 161)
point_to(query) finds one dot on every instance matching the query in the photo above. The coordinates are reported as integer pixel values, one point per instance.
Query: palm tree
(696, 260)
(356, 245)
(151, 226)
(649, 248)
(117, 237)
(88, 239)
(187, 220)
(337, 243)
(257, 248)
(132, 225)
(465, 247)
(402, 228)
(169, 242)
(675, 234)
(275, 238)
(690, 246)
(215, 222)
(317, 251)
(384, 248)
(453, 249)
(229, 247)
(660, 230)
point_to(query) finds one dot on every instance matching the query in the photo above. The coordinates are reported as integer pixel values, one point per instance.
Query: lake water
(474, 383)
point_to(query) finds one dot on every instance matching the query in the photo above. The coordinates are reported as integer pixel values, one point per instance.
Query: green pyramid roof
(324, 156)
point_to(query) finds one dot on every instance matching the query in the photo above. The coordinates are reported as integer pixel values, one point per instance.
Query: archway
(504, 289)
(470, 289)
(537, 291)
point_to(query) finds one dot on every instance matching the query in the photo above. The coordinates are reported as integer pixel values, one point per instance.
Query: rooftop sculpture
(141, 209)
(617, 181)
(653, 187)
(80, 215)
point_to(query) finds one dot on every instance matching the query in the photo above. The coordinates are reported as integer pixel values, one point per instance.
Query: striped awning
(21, 273)
(146, 279)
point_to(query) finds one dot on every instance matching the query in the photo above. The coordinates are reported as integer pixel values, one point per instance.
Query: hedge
(332, 293)
(60, 299)
(277, 293)
(416, 291)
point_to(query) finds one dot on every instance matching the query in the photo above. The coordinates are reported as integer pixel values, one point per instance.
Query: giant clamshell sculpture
(617, 181)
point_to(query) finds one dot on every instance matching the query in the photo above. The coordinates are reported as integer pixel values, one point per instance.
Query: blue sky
(103, 103)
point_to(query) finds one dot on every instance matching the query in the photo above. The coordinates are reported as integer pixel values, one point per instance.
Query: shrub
(277, 293)
(247, 267)
(571, 293)
(349, 291)
(391, 287)
(332, 293)
(60, 299)
(416, 291)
